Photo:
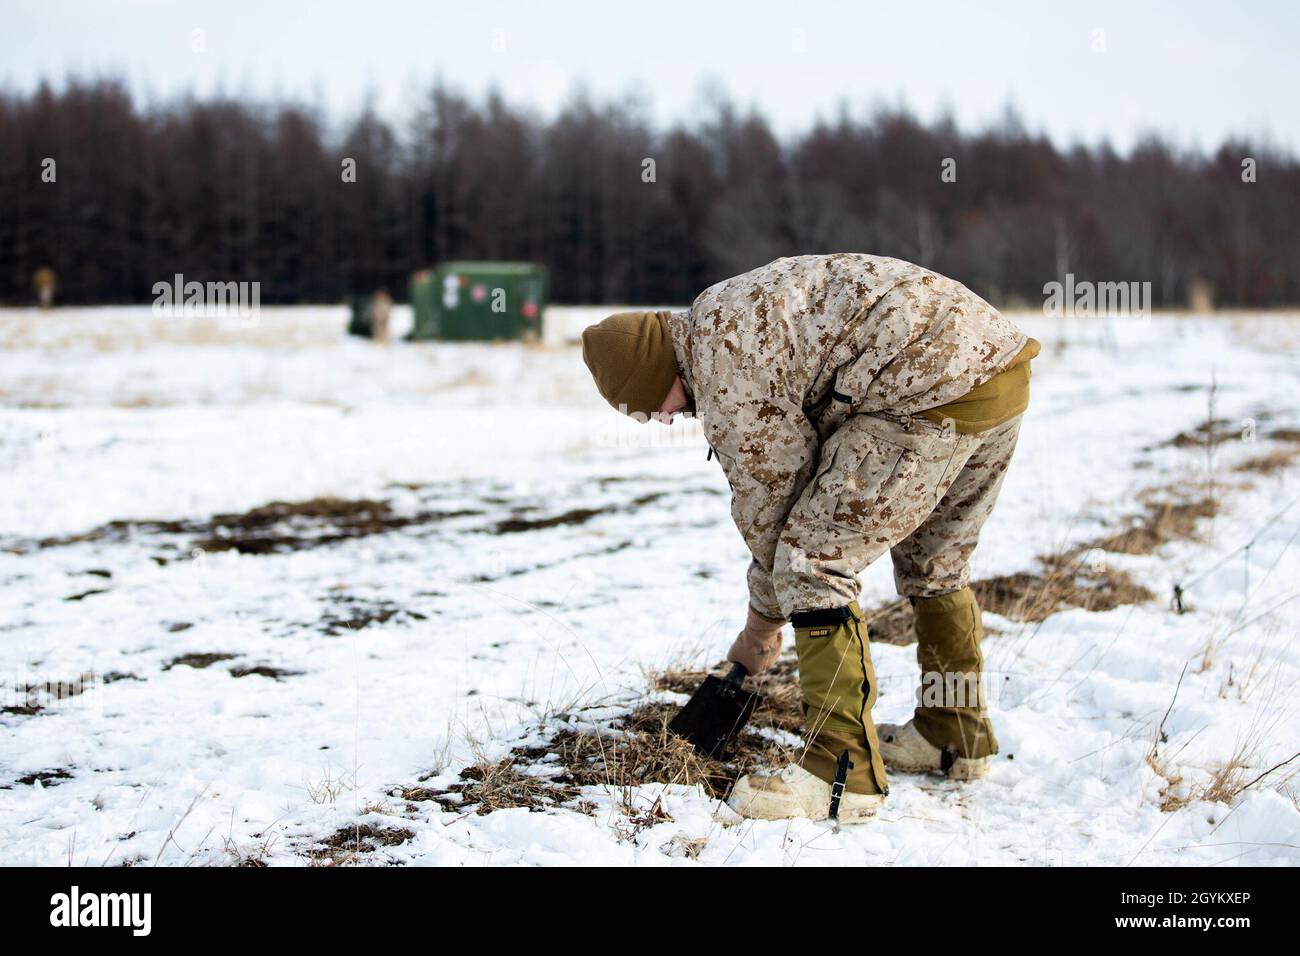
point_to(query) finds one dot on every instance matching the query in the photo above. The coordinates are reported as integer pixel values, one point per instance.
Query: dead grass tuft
(1162, 522)
(348, 844)
(1171, 799)
(1271, 462)
(632, 750)
(642, 751)
(1066, 581)
(1227, 780)
(1212, 431)
(504, 784)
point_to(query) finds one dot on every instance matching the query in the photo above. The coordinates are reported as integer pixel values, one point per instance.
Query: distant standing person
(379, 311)
(44, 283)
(857, 404)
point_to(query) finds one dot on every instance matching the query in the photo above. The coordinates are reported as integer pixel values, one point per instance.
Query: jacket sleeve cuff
(762, 596)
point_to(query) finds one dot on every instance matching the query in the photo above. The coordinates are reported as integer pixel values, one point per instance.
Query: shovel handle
(735, 679)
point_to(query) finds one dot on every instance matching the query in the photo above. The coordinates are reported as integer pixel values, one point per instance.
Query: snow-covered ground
(539, 552)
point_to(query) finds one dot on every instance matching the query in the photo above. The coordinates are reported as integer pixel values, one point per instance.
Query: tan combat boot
(794, 792)
(905, 750)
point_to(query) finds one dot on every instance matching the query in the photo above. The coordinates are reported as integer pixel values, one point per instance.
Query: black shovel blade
(714, 715)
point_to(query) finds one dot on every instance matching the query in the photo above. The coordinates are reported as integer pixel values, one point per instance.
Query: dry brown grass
(892, 623)
(632, 750)
(641, 750)
(1065, 581)
(1227, 780)
(501, 785)
(348, 845)
(1073, 579)
(1163, 521)
(1169, 801)
(1210, 432)
(1270, 462)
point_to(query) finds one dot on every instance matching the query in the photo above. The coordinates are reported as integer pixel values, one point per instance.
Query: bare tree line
(221, 189)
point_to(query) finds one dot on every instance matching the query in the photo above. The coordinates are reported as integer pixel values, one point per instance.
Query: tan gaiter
(951, 710)
(839, 689)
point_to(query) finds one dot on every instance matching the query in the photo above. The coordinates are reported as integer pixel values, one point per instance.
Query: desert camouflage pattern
(899, 484)
(780, 360)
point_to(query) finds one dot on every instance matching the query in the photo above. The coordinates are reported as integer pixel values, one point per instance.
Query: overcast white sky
(1196, 71)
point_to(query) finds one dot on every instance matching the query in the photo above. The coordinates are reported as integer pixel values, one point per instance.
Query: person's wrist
(758, 620)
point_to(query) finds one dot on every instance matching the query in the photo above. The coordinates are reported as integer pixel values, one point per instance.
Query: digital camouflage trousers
(922, 492)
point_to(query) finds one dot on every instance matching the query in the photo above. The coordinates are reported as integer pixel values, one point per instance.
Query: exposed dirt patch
(1285, 434)
(286, 526)
(85, 594)
(355, 614)
(347, 844)
(113, 531)
(576, 516)
(21, 710)
(113, 676)
(41, 694)
(1209, 432)
(273, 528)
(198, 661)
(636, 748)
(292, 526)
(263, 670)
(46, 778)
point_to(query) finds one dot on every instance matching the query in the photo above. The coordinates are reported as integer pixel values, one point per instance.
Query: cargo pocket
(868, 491)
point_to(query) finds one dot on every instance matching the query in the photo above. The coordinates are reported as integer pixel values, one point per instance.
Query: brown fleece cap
(630, 355)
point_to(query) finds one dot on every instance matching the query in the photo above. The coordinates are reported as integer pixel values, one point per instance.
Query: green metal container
(478, 301)
(360, 321)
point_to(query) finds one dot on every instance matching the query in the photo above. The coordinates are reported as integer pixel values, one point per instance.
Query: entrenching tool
(716, 712)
